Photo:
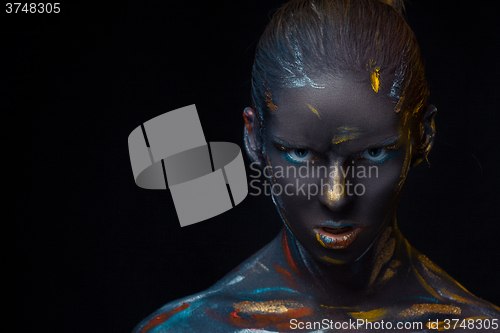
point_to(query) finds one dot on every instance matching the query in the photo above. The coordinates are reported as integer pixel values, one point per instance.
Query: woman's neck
(378, 268)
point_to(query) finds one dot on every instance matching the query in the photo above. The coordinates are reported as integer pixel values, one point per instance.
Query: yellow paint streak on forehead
(274, 306)
(373, 315)
(345, 134)
(374, 75)
(375, 79)
(313, 110)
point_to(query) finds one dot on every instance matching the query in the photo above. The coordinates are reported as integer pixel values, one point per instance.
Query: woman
(339, 117)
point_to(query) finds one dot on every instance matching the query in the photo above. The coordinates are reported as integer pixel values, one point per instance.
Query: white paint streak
(302, 79)
(267, 269)
(236, 280)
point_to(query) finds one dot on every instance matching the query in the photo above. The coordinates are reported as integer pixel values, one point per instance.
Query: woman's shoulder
(221, 308)
(216, 309)
(188, 314)
(446, 290)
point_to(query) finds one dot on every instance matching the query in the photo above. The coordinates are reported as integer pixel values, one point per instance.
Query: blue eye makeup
(378, 156)
(300, 155)
(296, 155)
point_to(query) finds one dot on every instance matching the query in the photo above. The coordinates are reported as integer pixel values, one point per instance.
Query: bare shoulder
(215, 309)
(451, 293)
(189, 314)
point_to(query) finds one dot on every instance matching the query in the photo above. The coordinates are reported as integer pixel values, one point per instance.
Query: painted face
(338, 158)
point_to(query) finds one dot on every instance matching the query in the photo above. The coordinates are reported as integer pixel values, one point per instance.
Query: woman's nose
(334, 194)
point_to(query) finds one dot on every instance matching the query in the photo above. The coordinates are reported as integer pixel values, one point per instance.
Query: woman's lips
(336, 237)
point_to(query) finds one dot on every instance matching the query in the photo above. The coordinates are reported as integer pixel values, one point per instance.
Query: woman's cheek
(382, 180)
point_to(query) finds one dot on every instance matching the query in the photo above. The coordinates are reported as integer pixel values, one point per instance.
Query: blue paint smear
(263, 290)
(418, 297)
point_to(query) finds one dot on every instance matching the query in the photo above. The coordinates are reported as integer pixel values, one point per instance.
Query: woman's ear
(252, 137)
(426, 134)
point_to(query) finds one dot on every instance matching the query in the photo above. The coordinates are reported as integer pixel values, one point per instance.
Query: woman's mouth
(337, 237)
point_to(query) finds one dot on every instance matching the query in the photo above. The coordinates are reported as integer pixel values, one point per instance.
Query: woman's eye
(374, 154)
(300, 155)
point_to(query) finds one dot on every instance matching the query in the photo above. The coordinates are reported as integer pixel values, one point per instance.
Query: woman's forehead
(344, 102)
(338, 113)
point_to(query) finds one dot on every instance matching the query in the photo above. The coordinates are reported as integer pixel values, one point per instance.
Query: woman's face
(338, 157)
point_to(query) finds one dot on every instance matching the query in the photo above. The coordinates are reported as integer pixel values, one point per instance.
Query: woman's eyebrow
(286, 142)
(391, 141)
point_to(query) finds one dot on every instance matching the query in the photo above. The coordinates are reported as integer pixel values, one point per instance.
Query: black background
(95, 253)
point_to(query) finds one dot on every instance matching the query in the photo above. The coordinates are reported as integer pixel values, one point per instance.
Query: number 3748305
(32, 8)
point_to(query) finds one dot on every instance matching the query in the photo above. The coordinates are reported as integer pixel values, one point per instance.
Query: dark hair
(314, 38)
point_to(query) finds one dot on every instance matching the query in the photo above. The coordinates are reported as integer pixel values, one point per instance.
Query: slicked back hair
(310, 39)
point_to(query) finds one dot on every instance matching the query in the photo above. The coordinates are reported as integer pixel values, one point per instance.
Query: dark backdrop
(95, 253)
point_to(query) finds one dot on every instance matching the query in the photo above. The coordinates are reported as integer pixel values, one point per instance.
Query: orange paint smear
(160, 319)
(235, 314)
(288, 255)
(247, 123)
(269, 102)
(287, 277)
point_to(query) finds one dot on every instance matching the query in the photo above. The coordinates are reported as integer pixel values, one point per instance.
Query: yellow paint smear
(455, 297)
(341, 307)
(343, 138)
(478, 317)
(270, 103)
(333, 261)
(398, 106)
(417, 310)
(395, 263)
(320, 241)
(389, 272)
(373, 315)
(313, 110)
(375, 78)
(385, 250)
(275, 306)
(426, 285)
(374, 75)
(346, 134)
